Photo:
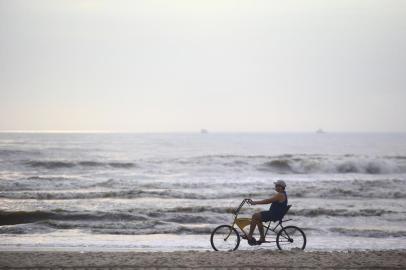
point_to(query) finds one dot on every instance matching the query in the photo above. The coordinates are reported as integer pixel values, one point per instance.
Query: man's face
(278, 188)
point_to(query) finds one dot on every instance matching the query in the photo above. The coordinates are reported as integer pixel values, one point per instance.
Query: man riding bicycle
(278, 202)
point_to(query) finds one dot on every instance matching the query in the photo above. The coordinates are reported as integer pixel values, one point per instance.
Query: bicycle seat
(284, 213)
(287, 209)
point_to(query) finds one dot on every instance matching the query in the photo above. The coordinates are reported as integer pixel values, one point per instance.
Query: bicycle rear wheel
(225, 238)
(291, 237)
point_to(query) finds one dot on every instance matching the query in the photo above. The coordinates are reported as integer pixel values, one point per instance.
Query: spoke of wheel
(285, 243)
(285, 235)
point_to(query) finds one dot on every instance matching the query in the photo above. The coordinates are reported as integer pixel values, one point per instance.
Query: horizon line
(192, 132)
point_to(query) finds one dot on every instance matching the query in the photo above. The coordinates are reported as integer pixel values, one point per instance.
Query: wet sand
(260, 259)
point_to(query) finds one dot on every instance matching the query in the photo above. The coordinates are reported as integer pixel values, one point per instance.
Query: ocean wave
(18, 217)
(304, 163)
(165, 230)
(281, 164)
(332, 165)
(150, 226)
(121, 164)
(49, 178)
(140, 216)
(370, 233)
(22, 217)
(16, 230)
(108, 183)
(50, 164)
(397, 157)
(357, 193)
(89, 163)
(190, 230)
(185, 218)
(67, 190)
(198, 209)
(58, 164)
(292, 212)
(9, 152)
(383, 189)
(127, 194)
(38, 183)
(26, 229)
(339, 212)
(177, 220)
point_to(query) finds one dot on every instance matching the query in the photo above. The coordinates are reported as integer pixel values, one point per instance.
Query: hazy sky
(157, 66)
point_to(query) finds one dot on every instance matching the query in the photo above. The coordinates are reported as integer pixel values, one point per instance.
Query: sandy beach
(260, 259)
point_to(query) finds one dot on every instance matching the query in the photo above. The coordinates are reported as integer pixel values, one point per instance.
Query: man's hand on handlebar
(251, 202)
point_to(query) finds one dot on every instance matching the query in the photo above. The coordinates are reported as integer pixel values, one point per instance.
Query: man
(278, 202)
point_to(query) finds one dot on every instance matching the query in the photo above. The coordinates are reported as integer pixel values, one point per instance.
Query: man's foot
(251, 240)
(261, 240)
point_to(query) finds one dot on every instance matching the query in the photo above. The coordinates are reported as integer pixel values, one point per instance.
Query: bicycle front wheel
(225, 238)
(291, 237)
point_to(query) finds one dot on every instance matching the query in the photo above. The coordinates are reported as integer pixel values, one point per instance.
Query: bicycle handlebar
(241, 205)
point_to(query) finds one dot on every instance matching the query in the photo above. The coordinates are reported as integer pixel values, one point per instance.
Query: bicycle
(227, 238)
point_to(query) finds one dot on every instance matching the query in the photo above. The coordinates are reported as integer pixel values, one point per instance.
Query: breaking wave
(338, 166)
(384, 189)
(21, 217)
(23, 222)
(25, 229)
(305, 164)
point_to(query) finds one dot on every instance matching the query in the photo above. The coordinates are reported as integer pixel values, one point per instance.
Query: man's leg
(261, 231)
(256, 220)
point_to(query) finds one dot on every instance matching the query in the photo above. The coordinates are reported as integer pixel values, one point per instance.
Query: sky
(221, 65)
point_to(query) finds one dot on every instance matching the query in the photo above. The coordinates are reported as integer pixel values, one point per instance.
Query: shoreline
(72, 240)
(269, 259)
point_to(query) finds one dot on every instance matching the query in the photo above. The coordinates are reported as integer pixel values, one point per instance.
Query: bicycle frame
(244, 222)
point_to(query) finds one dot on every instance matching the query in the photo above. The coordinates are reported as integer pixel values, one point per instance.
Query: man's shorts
(267, 216)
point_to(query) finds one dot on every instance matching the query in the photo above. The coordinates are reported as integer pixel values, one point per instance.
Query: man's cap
(280, 183)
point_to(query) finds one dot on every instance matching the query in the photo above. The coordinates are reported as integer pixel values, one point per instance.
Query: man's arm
(274, 198)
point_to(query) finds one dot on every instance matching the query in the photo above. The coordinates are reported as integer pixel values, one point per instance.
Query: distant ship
(204, 131)
(320, 131)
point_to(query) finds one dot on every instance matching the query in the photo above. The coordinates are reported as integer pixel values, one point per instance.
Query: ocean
(166, 192)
